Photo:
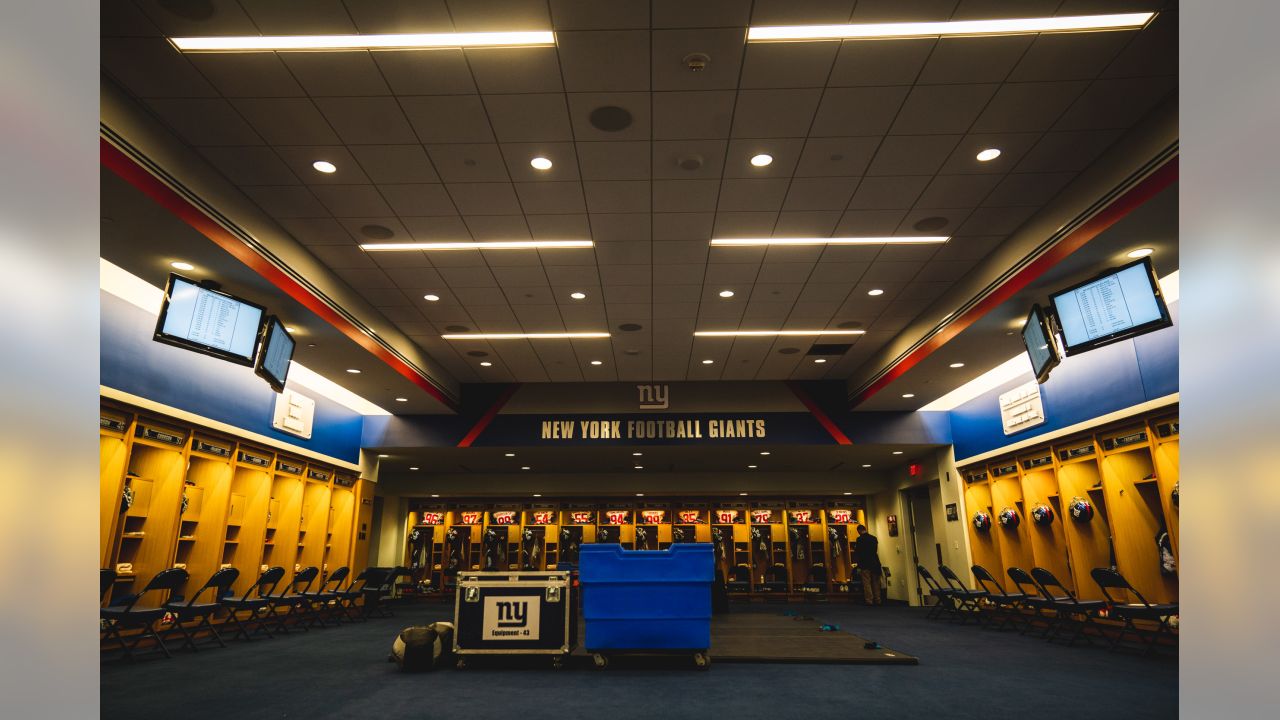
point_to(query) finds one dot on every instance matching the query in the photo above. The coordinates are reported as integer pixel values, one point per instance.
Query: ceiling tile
(784, 151)
(706, 158)
(243, 74)
(624, 253)
(857, 111)
(969, 247)
(784, 272)
(382, 297)
(892, 271)
(395, 163)
(753, 195)
(581, 105)
(693, 114)
(683, 226)
(996, 221)
(205, 121)
(888, 192)
(519, 278)
(551, 198)
(464, 277)
(501, 227)
(363, 278)
(411, 262)
(529, 118)
(1067, 151)
(560, 227)
(912, 155)
(974, 59)
(614, 160)
(1070, 56)
(613, 60)
(448, 119)
(808, 254)
(355, 228)
(342, 256)
(895, 62)
(619, 227)
(861, 223)
(671, 47)
(336, 73)
(526, 295)
(806, 223)
(515, 70)
(250, 165)
(1027, 107)
(957, 191)
(985, 9)
(221, 17)
(299, 17)
(317, 231)
(122, 18)
(351, 200)
(286, 201)
(844, 273)
(425, 72)
(595, 15)
(836, 156)
(788, 65)
(945, 270)
(745, 224)
(952, 217)
(676, 251)
(615, 294)
(725, 273)
(850, 253)
(1117, 103)
(907, 253)
(469, 162)
(685, 196)
(1012, 147)
(800, 12)
(400, 16)
(300, 159)
(367, 121)
(287, 121)
(417, 200)
(564, 161)
(152, 68)
(470, 16)
(630, 196)
(775, 113)
(1153, 52)
(1028, 189)
(577, 276)
(820, 194)
(484, 198)
(931, 109)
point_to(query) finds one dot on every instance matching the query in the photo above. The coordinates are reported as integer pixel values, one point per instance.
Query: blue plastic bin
(647, 600)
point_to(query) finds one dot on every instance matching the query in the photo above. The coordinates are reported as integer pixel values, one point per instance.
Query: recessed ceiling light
(1141, 253)
(707, 362)
(486, 363)
(639, 467)
(637, 454)
(525, 336)
(402, 399)
(383, 456)
(875, 292)
(482, 245)
(819, 360)
(324, 166)
(537, 494)
(988, 155)
(848, 493)
(578, 295)
(751, 467)
(289, 329)
(597, 362)
(866, 466)
(540, 163)
(435, 495)
(773, 333)
(742, 494)
(1004, 26)
(179, 265)
(765, 452)
(897, 452)
(639, 494)
(431, 298)
(413, 468)
(364, 42)
(510, 454)
(957, 365)
(908, 395)
(890, 240)
(726, 293)
(353, 371)
(762, 160)
(524, 467)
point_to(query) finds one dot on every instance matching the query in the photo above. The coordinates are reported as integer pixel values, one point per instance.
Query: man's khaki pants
(871, 590)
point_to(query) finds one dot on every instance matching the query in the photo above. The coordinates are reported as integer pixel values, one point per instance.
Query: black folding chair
(378, 591)
(319, 600)
(946, 596)
(220, 583)
(1035, 598)
(1006, 606)
(293, 601)
(106, 578)
(348, 596)
(967, 601)
(1109, 579)
(128, 614)
(1067, 607)
(254, 601)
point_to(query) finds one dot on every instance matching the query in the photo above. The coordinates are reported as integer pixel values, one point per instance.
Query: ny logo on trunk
(513, 614)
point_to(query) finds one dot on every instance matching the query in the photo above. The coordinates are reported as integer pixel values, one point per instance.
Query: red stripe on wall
(1108, 216)
(136, 175)
(488, 416)
(819, 415)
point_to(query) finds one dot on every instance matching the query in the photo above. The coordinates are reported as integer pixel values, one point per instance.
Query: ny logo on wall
(654, 397)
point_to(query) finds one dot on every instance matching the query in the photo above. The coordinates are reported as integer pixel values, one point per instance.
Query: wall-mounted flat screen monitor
(1041, 348)
(277, 351)
(1118, 304)
(209, 321)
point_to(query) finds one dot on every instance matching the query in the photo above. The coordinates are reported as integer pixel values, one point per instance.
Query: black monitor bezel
(161, 336)
(1164, 321)
(259, 367)
(1037, 315)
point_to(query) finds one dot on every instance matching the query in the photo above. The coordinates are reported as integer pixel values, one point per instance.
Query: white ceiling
(868, 138)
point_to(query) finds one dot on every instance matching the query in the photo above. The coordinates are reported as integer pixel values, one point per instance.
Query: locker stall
(616, 524)
(1009, 516)
(983, 542)
(842, 522)
(731, 539)
(540, 538)
(806, 547)
(1164, 453)
(1044, 531)
(653, 526)
(770, 566)
(1134, 504)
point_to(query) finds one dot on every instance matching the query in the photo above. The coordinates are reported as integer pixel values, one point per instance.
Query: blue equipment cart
(647, 601)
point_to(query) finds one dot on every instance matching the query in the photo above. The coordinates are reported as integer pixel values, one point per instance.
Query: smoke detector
(696, 62)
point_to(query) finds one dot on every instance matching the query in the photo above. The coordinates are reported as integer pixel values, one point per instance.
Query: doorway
(925, 549)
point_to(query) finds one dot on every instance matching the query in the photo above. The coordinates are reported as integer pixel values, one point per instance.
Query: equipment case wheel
(702, 660)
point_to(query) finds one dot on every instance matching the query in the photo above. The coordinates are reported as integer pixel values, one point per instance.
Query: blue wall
(215, 389)
(1081, 388)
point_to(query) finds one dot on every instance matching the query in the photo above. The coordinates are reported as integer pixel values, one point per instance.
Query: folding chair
(127, 614)
(946, 596)
(348, 596)
(319, 599)
(377, 592)
(1067, 607)
(1035, 598)
(220, 583)
(968, 602)
(1108, 579)
(1007, 605)
(293, 600)
(254, 601)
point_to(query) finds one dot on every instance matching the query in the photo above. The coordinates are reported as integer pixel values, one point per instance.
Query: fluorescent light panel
(526, 336)
(363, 42)
(1006, 26)
(906, 240)
(773, 333)
(485, 245)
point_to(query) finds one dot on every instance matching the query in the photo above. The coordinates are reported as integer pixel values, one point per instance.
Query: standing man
(866, 555)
